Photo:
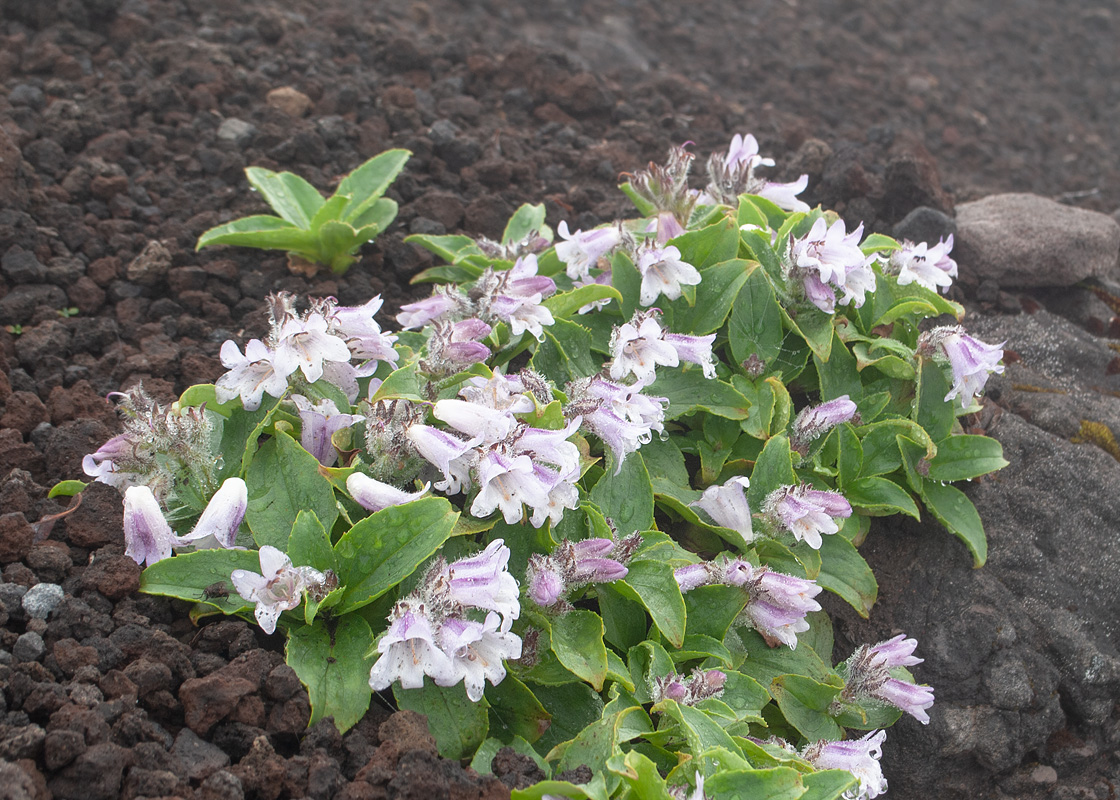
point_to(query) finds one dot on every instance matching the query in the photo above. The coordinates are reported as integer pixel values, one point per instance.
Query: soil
(125, 126)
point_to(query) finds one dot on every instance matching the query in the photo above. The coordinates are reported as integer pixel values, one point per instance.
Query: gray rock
(1025, 241)
(21, 266)
(29, 647)
(236, 131)
(11, 595)
(41, 599)
(200, 758)
(925, 224)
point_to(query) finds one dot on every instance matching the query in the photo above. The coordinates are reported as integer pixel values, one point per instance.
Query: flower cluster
(432, 633)
(857, 756)
(573, 565)
(868, 672)
(806, 512)
(620, 415)
(641, 345)
(732, 174)
(148, 536)
(827, 259)
(970, 360)
(278, 588)
(923, 264)
(777, 603)
(321, 342)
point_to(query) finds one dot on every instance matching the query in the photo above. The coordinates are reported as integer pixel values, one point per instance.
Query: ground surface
(124, 129)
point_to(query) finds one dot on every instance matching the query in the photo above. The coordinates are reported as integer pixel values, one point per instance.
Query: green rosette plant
(583, 502)
(321, 231)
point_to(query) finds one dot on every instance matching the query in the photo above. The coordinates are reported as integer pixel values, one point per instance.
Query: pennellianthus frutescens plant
(584, 501)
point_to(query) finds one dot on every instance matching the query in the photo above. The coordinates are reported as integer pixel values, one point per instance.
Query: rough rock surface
(1023, 241)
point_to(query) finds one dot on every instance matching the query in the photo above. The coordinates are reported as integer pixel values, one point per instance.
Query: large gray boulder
(1024, 241)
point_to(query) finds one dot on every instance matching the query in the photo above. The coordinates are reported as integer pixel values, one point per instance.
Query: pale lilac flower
(602, 279)
(221, 518)
(857, 756)
(692, 576)
(732, 174)
(304, 344)
(784, 195)
(620, 415)
(506, 482)
(970, 359)
(279, 587)
(443, 301)
(373, 495)
(573, 565)
(829, 258)
(927, 266)
(487, 424)
(355, 325)
(522, 314)
(727, 506)
(700, 685)
(806, 512)
(450, 454)
(148, 538)
(250, 375)
(102, 465)
(663, 273)
(909, 697)
(522, 280)
(477, 651)
(638, 347)
(409, 652)
(550, 446)
(483, 581)
(694, 350)
(779, 603)
(506, 393)
(580, 251)
(562, 494)
(318, 423)
(813, 421)
(546, 585)
(897, 652)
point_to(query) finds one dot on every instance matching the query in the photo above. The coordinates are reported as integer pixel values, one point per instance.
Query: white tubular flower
(443, 301)
(663, 273)
(562, 494)
(148, 538)
(784, 195)
(727, 506)
(477, 651)
(483, 581)
(278, 588)
(970, 359)
(373, 495)
(250, 375)
(502, 392)
(694, 350)
(857, 756)
(217, 527)
(806, 512)
(305, 344)
(829, 258)
(451, 455)
(506, 483)
(409, 652)
(318, 423)
(551, 447)
(582, 250)
(927, 266)
(638, 347)
(487, 424)
(102, 465)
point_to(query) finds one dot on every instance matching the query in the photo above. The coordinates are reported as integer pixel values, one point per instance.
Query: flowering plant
(327, 232)
(585, 500)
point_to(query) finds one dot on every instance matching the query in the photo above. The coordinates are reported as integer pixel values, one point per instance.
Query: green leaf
(565, 304)
(711, 245)
(624, 620)
(595, 744)
(755, 326)
(777, 783)
(955, 511)
(573, 707)
(458, 725)
(878, 243)
(401, 384)
(744, 695)
(627, 280)
(845, 573)
(263, 232)
(710, 610)
(282, 479)
(310, 544)
(828, 784)
(482, 763)
(515, 710)
(645, 207)
(868, 714)
(805, 703)
(664, 459)
(749, 214)
(338, 241)
(206, 394)
(451, 248)
(376, 218)
(719, 286)
(201, 576)
(700, 646)
(838, 375)
(641, 774)
(565, 353)
(648, 661)
(688, 391)
(764, 663)
(963, 457)
(880, 444)
(525, 220)
(386, 547)
(881, 497)
(758, 245)
(772, 470)
(330, 659)
(369, 181)
(330, 210)
(66, 488)
(290, 196)
(700, 731)
(626, 497)
(931, 411)
(652, 584)
(577, 641)
(815, 327)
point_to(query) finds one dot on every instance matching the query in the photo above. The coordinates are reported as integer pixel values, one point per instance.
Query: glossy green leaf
(458, 725)
(594, 744)
(651, 583)
(331, 660)
(627, 497)
(516, 711)
(688, 391)
(838, 376)
(764, 663)
(309, 543)
(805, 703)
(624, 620)
(201, 576)
(573, 707)
(828, 784)
(931, 410)
(710, 610)
(772, 470)
(577, 641)
(647, 662)
(565, 304)
(384, 548)
(369, 181)
(525, 220)
(282, 479)
(955, 511)
(376, 218)
(710, 245)
(880, 497)
(66, 488)
(565, 353)
(700, 731)
(814, 327)
(263, 232)
(845, 573)
(777, 783)
(290, 196)
(719, 286)
(965, 456)
(755, 324)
